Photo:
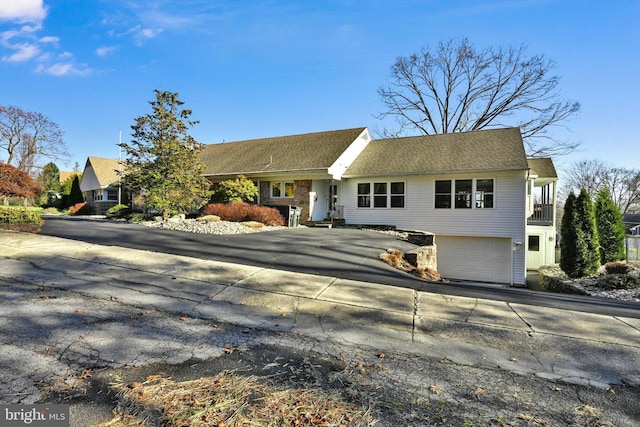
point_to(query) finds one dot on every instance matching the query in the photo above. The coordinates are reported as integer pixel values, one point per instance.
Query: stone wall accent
(424, 257)
(301, 189)
(101, 208)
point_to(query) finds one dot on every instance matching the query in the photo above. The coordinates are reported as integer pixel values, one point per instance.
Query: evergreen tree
(163, 161)
(587, 220)
(75, 195)
(576, 246)
(610, 228)
(569, 237)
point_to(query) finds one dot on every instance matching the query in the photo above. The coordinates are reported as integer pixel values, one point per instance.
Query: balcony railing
(542, 215)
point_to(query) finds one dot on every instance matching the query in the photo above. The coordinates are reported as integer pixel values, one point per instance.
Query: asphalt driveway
(339, 252)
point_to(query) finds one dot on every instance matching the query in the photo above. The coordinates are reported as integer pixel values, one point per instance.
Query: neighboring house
(64, 176)
(541, 213)
(470, 189)
(100, 183)
(632, 223)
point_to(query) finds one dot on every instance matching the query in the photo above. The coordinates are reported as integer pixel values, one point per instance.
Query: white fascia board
(342, 163)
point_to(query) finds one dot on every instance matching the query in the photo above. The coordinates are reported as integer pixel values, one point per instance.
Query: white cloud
(64, 69)
(105, 50)
(22, 10)
(24, 52)
(49, 39)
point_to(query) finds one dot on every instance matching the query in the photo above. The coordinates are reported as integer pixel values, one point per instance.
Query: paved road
(343, 253)
(72, 312)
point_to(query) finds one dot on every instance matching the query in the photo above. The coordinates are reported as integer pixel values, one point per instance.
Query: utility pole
(119, 167)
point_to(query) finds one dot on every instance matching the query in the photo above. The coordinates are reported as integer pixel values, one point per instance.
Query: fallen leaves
(229, 399)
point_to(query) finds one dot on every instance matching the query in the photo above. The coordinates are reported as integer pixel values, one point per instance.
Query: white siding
(89, 180)
(505, 220)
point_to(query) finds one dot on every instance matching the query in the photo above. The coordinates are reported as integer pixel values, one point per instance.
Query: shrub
(17, 216)
(618, 281)
(81, 209)
(617, 268)
(136, 217)
(119, 211)
(241, 189)
(240, 212)
(610, 228)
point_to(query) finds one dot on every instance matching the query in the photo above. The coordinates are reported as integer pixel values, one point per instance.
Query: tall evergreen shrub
(579, 255)
(569, 237)
(587, 218)
(611, 230)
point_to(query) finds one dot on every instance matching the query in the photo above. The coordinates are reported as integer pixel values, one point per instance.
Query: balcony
(542, 215)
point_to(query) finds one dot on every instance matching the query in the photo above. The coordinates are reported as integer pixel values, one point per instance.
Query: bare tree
(456, 88)
(593, 175)
(29, 136)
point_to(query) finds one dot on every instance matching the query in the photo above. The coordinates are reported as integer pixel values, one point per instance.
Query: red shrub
(238, 212)
(81, 209)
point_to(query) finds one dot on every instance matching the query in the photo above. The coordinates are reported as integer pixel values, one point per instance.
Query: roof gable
(104, 170)
(542, 167)
(305, 152)
(484, 150)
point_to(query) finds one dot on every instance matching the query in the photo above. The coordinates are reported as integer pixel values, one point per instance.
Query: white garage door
(485, 259)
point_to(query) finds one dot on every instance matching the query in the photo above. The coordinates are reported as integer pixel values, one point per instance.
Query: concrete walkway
(570, 346)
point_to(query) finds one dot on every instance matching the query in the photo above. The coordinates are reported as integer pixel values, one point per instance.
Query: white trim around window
(381, 195)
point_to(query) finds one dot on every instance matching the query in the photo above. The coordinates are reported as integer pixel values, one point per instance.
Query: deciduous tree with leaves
(455, 87)
(27, 136)
(162, 161)
(16, 183)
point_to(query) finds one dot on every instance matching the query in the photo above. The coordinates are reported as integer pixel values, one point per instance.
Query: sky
(254, 69)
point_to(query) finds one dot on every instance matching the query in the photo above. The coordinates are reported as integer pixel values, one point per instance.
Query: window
(281, 189)
(443, 194)
(461, 192)
(397, 194)
(484, 193)
(380, 195)
(112, 195)
(385, 194)
(364, 195)
(534, 243)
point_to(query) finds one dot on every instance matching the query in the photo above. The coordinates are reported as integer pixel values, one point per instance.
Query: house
(471, 189)
(100, 183)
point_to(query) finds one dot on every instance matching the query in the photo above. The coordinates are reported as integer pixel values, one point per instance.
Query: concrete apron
(570, 346)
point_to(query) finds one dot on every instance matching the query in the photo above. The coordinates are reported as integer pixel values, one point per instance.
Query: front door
(535, 251)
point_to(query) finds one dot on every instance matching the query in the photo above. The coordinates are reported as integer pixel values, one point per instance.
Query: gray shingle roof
(483, 150)
(543, 167)
(306, 152)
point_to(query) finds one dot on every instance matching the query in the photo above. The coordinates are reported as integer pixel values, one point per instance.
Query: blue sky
(251, 69)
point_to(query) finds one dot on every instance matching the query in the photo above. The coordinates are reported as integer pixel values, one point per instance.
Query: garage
(483, 259)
